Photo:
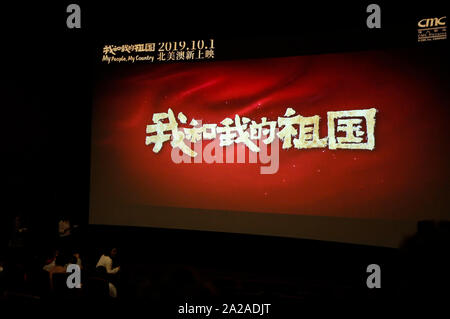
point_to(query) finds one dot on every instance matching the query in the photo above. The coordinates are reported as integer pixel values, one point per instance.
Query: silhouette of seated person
(56, 273)
(58, 281)
(425, 263)
(99, 287)
(50, 262)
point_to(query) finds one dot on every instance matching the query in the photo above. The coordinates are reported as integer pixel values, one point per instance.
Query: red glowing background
(405, 176)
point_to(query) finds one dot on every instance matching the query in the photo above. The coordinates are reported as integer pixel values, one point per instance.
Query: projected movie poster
(359, 134)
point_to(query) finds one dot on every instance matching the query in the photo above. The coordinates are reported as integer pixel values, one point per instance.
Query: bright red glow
(406, 176)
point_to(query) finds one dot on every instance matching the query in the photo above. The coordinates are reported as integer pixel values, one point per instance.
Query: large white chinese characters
(352, 129)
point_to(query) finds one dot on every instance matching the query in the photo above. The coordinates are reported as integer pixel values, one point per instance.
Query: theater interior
(339, 213)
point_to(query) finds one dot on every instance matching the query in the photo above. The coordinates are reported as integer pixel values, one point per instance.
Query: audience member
(64, 228)
(101, 273)
(106, 260)
(77, 260)
(19, 233)
(60, 267)
(50, 263)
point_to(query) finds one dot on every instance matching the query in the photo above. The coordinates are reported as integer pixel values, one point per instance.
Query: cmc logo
(432, 22)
